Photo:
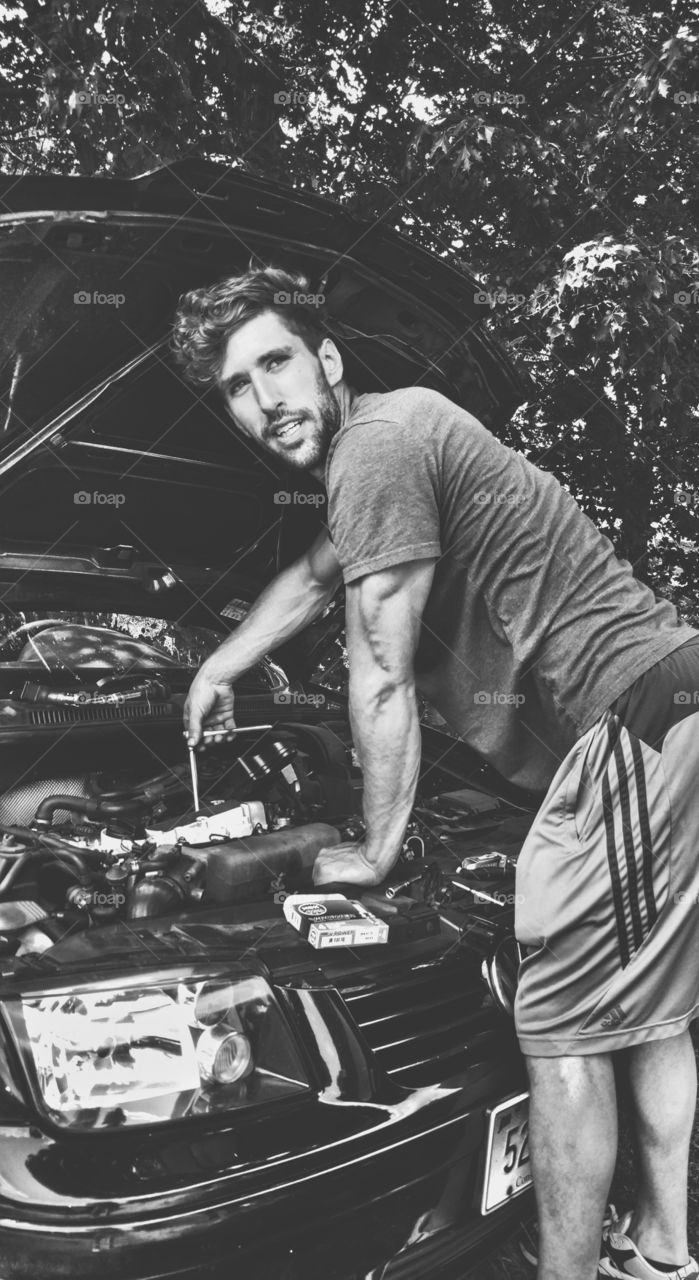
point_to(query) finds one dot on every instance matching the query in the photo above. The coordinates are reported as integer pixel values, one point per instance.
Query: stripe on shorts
(628, 836)
(608, 810)
(646, 838)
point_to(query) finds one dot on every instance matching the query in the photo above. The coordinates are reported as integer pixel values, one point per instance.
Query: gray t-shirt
(532, 626)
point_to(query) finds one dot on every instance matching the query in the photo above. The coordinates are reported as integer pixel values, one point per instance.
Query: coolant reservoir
(246, 870)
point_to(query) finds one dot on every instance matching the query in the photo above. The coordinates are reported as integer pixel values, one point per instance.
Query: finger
(223, 724)
(214, 734)
(225, 730)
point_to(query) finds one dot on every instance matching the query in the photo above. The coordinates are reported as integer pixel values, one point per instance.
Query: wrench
(211, 733)
(245, 728)
(195, 777)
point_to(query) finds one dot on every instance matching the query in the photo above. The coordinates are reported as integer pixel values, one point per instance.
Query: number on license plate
(507, 1163)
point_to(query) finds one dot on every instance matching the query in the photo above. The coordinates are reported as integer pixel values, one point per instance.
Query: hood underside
(120, 481)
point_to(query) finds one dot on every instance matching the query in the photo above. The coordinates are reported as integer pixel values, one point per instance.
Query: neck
(344, 396)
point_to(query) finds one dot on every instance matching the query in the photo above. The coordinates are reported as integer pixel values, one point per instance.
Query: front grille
(427, 1024)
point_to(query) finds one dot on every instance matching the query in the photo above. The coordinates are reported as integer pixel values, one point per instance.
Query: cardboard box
(331, 920)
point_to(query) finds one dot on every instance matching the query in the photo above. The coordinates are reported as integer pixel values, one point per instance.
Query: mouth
(288, 430)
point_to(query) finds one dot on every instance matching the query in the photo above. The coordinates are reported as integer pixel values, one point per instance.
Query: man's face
(280, 392)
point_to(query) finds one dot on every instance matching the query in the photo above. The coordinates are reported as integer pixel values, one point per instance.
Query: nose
(267, 395)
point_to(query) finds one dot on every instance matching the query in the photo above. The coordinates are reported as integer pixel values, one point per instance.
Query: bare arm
(289, 603)
(383, 615)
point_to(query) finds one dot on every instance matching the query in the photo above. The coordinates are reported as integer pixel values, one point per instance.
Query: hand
(209, 704)
(347, 864)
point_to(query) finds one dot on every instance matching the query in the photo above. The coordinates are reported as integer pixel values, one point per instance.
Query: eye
(276, 360)
(235, 387)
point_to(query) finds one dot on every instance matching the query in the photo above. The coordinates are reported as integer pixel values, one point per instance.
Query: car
(189, 1087)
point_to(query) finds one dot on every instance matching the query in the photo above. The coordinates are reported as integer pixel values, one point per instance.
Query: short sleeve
(383, 496)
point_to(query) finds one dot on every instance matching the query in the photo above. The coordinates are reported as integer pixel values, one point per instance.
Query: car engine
(91, 835)
(93, 847)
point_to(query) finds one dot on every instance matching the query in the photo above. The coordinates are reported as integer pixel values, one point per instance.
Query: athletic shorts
(607, 902)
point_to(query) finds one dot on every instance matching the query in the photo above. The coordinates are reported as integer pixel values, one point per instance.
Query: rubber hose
(88, 807)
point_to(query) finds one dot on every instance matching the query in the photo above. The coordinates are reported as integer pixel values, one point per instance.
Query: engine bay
(99, 823)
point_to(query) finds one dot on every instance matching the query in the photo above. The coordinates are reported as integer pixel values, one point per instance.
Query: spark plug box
(331, 920)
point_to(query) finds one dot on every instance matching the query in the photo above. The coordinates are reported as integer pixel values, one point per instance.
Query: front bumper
(375, 1173)
(395, 1202)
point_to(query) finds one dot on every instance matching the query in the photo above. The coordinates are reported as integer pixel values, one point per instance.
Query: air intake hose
(89, 808)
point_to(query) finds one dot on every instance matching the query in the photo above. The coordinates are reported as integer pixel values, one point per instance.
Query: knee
(573, 1075)
(660, 1133)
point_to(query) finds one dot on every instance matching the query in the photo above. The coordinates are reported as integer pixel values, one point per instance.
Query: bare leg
(663, 1079)
(573, 1141)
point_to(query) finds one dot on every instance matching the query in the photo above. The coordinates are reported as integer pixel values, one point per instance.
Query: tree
(553, 151)
(589, 203)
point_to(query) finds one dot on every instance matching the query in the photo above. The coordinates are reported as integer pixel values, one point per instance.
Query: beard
(320, 423)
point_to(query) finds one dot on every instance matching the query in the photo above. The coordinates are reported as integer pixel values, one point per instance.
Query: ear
(331, 361)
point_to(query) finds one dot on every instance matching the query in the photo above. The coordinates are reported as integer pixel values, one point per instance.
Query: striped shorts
(607, 885)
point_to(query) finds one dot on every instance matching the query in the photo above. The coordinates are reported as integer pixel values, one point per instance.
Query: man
(474, 576)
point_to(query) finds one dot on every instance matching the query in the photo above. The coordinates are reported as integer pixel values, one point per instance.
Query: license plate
(507, 1163)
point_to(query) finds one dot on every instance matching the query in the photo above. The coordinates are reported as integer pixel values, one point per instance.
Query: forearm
(383, 616)
(288, 604)
(386, 732)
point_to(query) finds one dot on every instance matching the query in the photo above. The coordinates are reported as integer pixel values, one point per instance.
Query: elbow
(322, 590)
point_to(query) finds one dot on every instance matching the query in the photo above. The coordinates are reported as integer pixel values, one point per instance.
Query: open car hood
(118, 481)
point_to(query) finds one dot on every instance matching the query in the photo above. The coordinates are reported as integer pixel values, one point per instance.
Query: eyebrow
(266, 355)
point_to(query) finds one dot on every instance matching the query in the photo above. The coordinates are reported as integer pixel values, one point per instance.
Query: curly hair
(206, 317)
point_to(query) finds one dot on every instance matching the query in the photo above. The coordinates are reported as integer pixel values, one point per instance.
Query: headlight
(138, 1052)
